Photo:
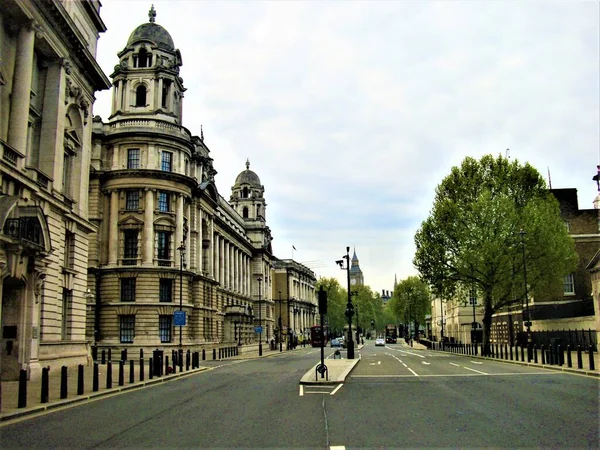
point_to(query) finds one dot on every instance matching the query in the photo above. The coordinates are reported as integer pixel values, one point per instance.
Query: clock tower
(356, 275)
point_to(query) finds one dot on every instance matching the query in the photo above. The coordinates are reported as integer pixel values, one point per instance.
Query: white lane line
(339, 386)
(301, 390)
(478, 371)
(459, 375)
(426, 363)
(455, 365)
(408, 368)
(411, 353)
(476, 362)
(337, 447)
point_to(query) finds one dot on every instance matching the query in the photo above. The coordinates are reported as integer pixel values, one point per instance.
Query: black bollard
(501, 352)
(579, 358)
(569, 361)
(150, 368)
(511, 355)
(109, 375)
(187, 360)
(220, 354)
(203, 355)
(45, 385)
(141, 353)
(214, 354)
(175, 363)
(166, 365)
(535, 358)
(498, 350)
(103, 356)
(174, 357)
(142, 369)
(131, 372)
(505, 351)
(96, 378)
(23, 389)
(543, 354)
(522, 353)
(121, 373)
(180, 360)
(80, 379)
(63, 382)
(109, 355)
(591, 353)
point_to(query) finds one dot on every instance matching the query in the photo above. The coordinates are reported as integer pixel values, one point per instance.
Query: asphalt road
(396, 397)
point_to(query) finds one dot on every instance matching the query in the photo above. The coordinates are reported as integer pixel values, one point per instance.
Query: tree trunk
(487, 324)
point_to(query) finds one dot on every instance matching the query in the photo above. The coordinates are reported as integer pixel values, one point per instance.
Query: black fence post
(23, 389)
(150, 368)
(131, 371)
(141, 353)
(141, 366)
(63, 382)
(501, 352)
(45, 385)
(511, 355)
(522, 353)
(166, 365)
(214, 354)
(569, 361)
(579, 358)
(187, 360)
(203, 354)
(95, 379)
(103, 356)
(535, 358)
(543, 354)
(109, 375)
(180, 360)
(592, 364)
(505, 351)
(121, 373)
(559, 355)
(80, 379)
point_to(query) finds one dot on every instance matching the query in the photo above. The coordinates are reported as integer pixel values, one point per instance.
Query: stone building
(48, 76)
(165, 240)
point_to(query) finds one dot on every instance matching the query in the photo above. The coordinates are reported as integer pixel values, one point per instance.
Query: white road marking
(339, 386)
(476, 362)
(480, 374)
(411, 353)
(426, 363)
(378, 362)
(337, 447)
(301, 390)
(483, 373)
(455, 365)
(408, 368)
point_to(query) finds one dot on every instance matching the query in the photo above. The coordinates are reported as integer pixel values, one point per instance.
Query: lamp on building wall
(349, 307)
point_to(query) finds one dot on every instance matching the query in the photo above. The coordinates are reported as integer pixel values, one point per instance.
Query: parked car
(390, 340)
(336, 343)
(380, 342)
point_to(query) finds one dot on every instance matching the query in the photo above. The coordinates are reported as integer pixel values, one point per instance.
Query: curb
(341, 378)
(15, 414)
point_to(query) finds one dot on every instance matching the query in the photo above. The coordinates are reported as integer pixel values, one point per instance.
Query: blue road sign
(179, 318)
(258, 329)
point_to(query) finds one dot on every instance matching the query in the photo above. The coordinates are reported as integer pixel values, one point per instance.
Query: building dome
(248, 177)
(154, 33)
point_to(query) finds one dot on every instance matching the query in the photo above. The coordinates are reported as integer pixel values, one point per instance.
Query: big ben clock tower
(356, 275)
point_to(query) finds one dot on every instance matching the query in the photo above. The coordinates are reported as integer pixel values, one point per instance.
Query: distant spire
(247, 164)
(549, 179)
(201, 134)
(395, 281)
(152, 14)
(354, 256)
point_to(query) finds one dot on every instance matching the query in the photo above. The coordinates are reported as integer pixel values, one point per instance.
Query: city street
(396, 396)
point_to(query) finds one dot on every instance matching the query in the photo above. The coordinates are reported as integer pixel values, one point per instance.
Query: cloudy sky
(352, 112)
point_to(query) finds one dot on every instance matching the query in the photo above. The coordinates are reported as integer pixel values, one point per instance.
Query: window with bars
(165, 291)
(166, 161)
(163, 248)
(165, 327)
(67, 301)
(132, 200)
(569, 285)
(164, 199)
(128, 289)
(133, 158)
(130, 247)
(126, 328)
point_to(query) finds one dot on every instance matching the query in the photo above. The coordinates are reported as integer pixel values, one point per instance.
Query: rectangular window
(127, 328)
(130, 247)
(133, 158)
(163, 201)
(569, 285)
(67, 301)
(165, 325)
(163, 246)
(66, 181)
(132, 200)
(69, 260)
(128, 289)
(165, 293)
(166, 161)
(472, 300)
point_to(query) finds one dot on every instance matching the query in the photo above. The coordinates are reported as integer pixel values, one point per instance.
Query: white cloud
(352, 112)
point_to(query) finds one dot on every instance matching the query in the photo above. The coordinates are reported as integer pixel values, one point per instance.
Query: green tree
(485, 214)
(411, 301)
(336, 303)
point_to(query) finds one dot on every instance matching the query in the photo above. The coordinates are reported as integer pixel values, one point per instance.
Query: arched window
(245, 193)
(245, 212)
(140, 95)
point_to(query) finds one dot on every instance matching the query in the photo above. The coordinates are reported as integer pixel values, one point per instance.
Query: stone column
(215, 256)
(200, 249)
(113, 230)
(227, 266)
(148, 255)
(21, 89)
(222, 261)
(179, 225)
(211, 233)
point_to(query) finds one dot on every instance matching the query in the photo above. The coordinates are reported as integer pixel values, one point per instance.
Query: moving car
(379, 342)
(390, 340)
(336, 343)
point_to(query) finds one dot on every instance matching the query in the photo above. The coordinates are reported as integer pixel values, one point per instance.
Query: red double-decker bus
(315, 335)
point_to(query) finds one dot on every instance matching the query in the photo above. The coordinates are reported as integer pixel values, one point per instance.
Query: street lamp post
(528, 320)
(280, 343)
(349, 306)
(181, 249)
(259, 279)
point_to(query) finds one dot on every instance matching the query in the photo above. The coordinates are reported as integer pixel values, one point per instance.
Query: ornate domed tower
(146, 81)
(247, 198)
(356, 275)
